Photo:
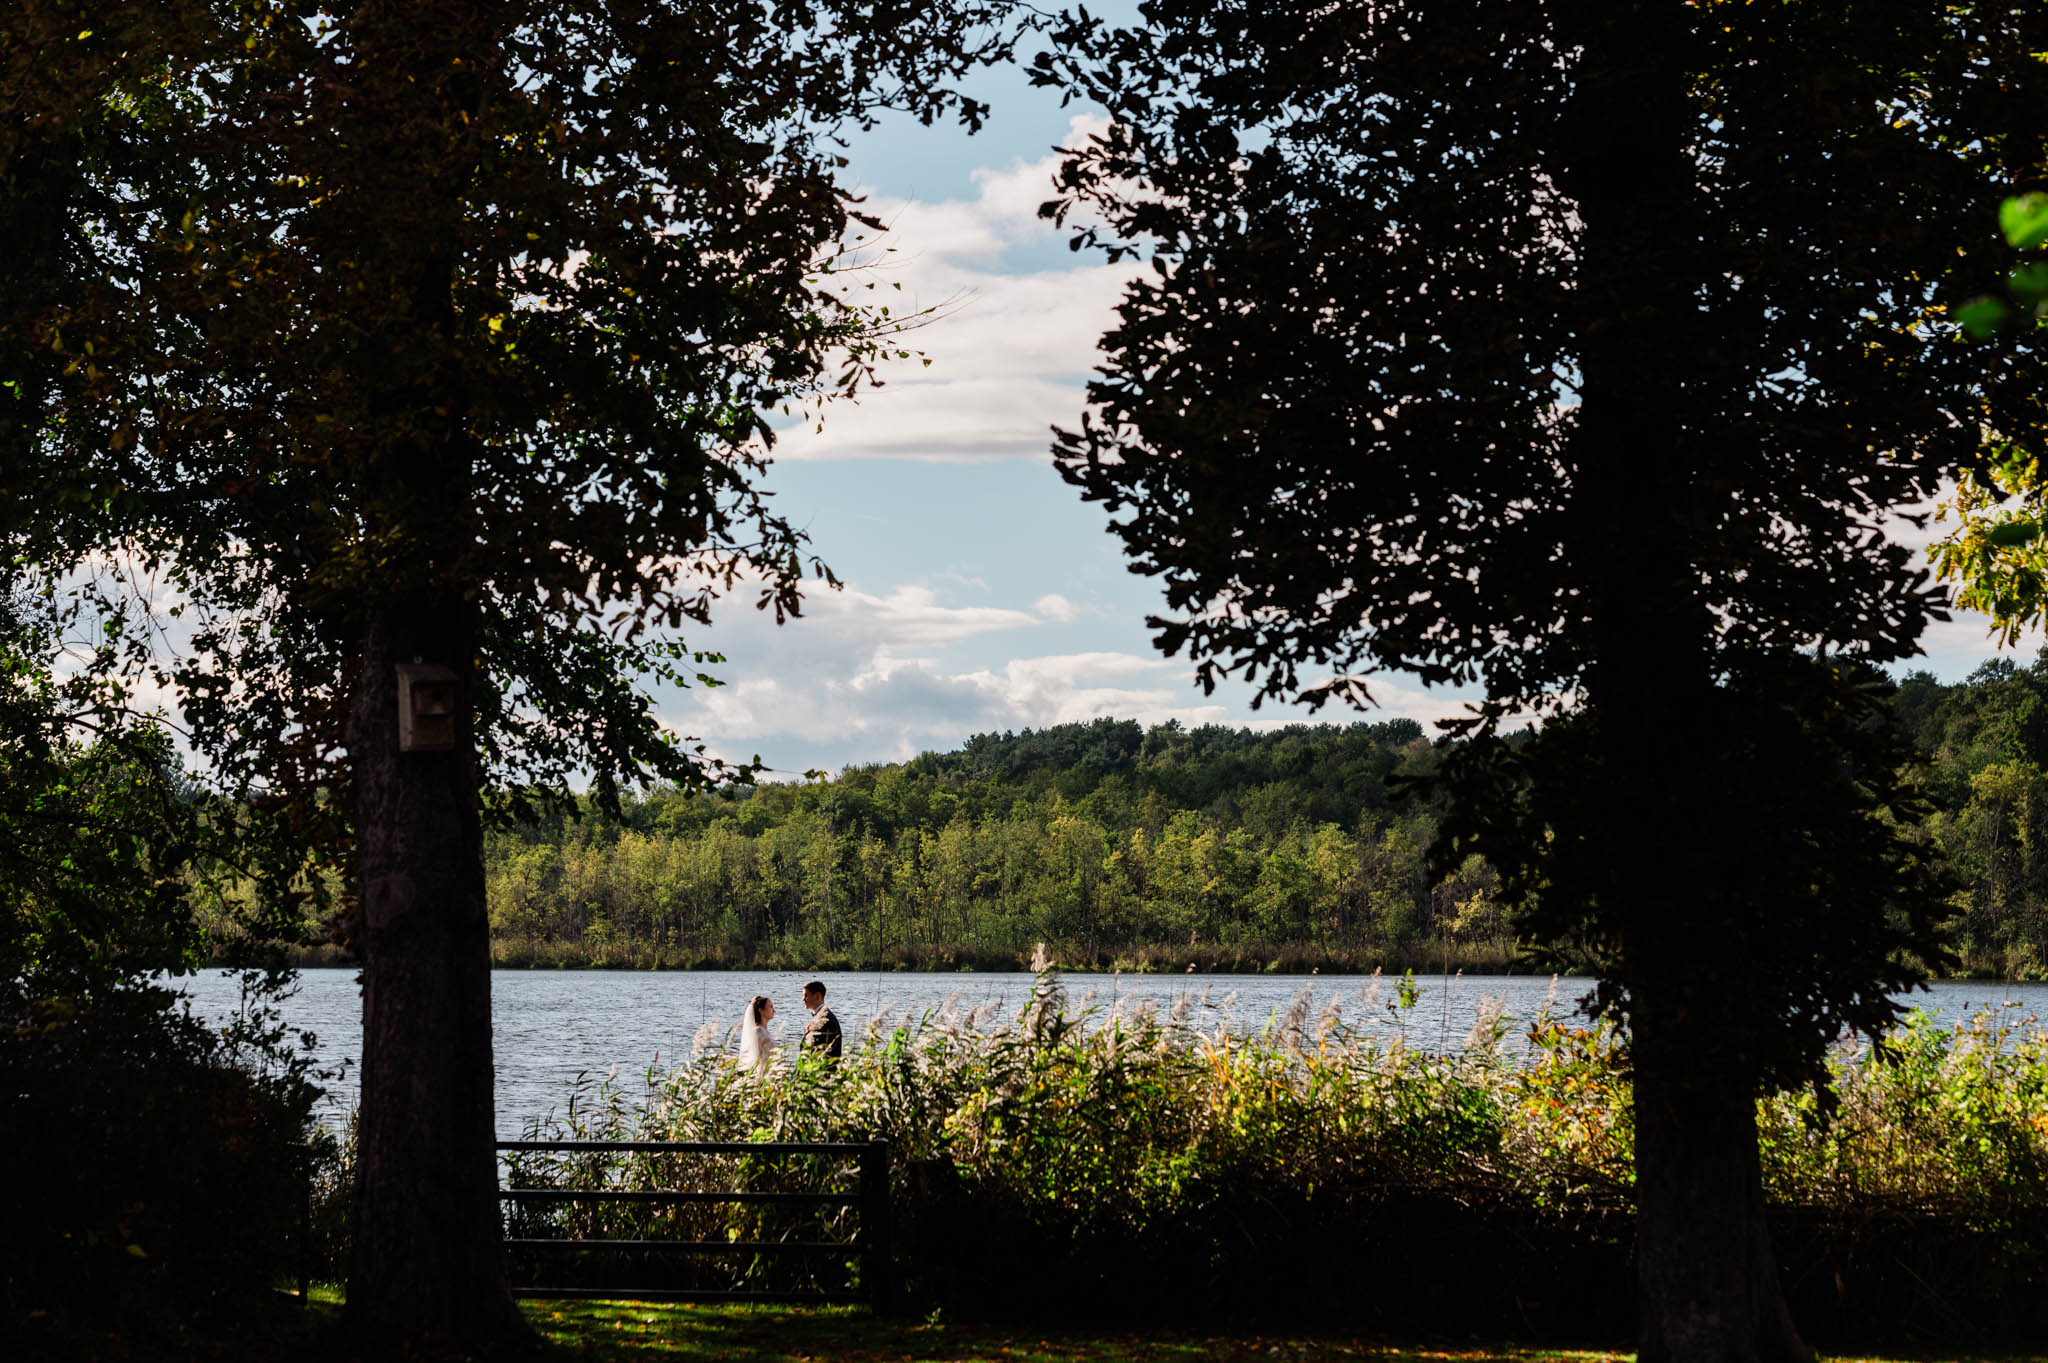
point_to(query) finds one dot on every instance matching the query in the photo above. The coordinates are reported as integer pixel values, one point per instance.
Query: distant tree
(440, 333)
(1579, 350)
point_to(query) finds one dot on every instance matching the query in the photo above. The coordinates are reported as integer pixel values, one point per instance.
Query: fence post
(305, 1255)
(879, 1260)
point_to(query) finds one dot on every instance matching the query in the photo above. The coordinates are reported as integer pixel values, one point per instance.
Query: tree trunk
(1709, 1290)
(1708, 1284)
(1708, 1280)
(428, 1261)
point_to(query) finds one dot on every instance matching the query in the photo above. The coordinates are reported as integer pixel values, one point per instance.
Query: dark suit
(821, 1034)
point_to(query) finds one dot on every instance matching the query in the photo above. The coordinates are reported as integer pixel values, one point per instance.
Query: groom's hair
(815, 987)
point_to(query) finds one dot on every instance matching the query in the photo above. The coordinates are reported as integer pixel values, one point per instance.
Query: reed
(1088, 1156)
(1075, 1136)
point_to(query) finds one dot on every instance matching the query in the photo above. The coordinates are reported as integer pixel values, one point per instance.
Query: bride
(757, 1052)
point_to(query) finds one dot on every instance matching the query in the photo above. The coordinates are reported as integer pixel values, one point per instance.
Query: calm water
(551, 1026)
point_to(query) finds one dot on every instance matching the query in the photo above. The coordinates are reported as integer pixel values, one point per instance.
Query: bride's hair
(754, 1009)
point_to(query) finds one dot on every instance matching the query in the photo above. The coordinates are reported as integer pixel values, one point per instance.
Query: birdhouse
(426, 707)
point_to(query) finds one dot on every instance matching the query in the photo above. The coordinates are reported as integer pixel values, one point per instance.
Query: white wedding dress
(757, 1050)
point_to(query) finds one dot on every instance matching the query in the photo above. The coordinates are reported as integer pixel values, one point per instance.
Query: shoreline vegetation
(1484, 959)
(1298, 849)
(1500, 958)
(1135, 1164)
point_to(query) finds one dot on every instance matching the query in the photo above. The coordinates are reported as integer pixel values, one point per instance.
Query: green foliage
(2024, 220)
(464, 322)
(1949, 1117)
(1109, 1129)
(157, 1167)
(1995, 555)
(1103, 1132)
(1986, 741)
(1141, 1139)
(1234, 848)
(1580, 352)
(1107, 842)
(108, 852)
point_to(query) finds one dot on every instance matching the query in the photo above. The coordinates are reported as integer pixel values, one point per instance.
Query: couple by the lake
(821, 1033)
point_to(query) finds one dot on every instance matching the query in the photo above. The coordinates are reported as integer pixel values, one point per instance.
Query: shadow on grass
(646, 1332)
(760, 1334)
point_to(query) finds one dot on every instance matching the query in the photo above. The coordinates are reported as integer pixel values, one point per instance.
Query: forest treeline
(1162, 848)
(1112, 843)
(1986, 743)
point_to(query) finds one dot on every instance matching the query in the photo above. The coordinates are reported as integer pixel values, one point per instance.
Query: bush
(156, 1169)
(1141, 1167)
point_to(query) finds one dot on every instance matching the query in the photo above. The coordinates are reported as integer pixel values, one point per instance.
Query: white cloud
(881, 676)
(890, 707)
(1053, 606)
(1009, 349)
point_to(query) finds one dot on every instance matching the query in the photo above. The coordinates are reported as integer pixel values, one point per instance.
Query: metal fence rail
(871, 1242)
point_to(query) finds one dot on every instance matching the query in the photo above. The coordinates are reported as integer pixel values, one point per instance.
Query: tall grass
(1949, 1117)
(1133, 1155)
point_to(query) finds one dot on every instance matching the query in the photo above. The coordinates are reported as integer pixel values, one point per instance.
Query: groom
(821, 1033)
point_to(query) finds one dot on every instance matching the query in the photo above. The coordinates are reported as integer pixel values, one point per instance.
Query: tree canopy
(450, 335)
(1584, 351)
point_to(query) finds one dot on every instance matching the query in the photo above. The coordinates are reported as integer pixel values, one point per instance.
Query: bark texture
(428, 1259)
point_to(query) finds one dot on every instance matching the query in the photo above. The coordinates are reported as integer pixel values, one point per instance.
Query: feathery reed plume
(1332, 1014)
(1288, 1033)
(1221, 1101)
(1488, 1026)
(1040, 961)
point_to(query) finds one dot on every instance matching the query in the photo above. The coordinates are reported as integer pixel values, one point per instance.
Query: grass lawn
(643, 1332)
(647, 1332)
(764, 1334)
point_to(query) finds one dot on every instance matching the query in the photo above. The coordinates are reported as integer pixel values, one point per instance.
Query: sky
(981, 594)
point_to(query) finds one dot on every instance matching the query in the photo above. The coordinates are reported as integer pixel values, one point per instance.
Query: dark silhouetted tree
(1580, 350)
(449, 333)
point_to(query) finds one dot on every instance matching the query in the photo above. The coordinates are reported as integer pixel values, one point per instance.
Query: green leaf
(1981, 317)
(2030, 282)
(2012, 534)
(2025, 220)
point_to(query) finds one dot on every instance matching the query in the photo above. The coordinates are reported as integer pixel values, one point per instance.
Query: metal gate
(870, 1243)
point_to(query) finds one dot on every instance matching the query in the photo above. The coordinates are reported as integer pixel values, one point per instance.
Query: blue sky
(981, 593)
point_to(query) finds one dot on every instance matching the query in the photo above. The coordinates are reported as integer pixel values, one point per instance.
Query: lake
(550, 1026)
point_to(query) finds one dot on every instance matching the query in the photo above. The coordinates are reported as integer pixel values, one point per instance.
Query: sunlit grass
(630, 1330)
(766, 1334)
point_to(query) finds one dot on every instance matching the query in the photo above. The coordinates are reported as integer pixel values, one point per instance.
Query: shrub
(156, 1168)
(1142, 1166)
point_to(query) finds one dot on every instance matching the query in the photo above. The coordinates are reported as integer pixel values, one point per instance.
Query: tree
(445, 334)
(1997, 554)
(1579, 350)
